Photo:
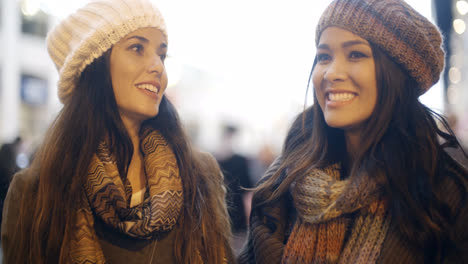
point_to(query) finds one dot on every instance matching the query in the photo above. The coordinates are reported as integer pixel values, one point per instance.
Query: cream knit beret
(89, 32)
(397, 29)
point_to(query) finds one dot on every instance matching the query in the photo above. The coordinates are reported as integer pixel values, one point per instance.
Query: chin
(152, 115)
(336, 123)
(336, 126)
(345, 125)
(145, 114)
(150, 111)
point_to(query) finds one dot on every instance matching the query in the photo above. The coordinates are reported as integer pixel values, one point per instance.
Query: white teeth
(340, 97)
(148, 87)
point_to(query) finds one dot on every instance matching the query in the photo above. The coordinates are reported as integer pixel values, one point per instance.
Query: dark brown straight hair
(62, 162)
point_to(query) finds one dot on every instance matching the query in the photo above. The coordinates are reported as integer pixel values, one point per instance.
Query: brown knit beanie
(397, 29)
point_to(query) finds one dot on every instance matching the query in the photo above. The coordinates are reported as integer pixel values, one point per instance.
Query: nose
(155, 64)
(336, 71)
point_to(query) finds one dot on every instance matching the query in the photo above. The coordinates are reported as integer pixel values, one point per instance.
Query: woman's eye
(137, 48)
(323, 57)
(357, 55)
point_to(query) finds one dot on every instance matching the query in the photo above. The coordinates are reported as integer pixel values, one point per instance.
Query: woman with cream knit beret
(364, 176)
(116, 179)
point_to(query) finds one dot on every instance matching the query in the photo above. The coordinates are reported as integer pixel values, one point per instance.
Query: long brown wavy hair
(61, 166)
(401, 148)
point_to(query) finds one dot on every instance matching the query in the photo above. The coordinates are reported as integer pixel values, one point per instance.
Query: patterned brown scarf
(324, 204)
(108, 198)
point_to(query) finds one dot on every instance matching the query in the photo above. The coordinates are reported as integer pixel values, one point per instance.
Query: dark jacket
(8, 168)
(270, 225)
(117, 248)
(236, 177)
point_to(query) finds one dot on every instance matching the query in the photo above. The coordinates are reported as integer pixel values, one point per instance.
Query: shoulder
(207, 160)
(453, 175)
(265, 190)
(452, 184)
(21, 181)
(208, 164)
(205, 156)
(272, 169)
(454, 190)
(458, 155)
(269, 223)
(21, 185)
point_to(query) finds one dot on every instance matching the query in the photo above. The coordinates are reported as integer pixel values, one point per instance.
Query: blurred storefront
(260, 99)
(456, 70)
(27, 92)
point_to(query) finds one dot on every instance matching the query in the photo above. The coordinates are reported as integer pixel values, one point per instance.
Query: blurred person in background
(235, 168)
(8, 166)
(264, 158)
(364, 176)
(116, 179)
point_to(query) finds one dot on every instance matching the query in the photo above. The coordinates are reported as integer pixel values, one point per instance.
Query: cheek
(317, 77)
(118, 74)
(118, 78)
(164, 80)
(371, 83)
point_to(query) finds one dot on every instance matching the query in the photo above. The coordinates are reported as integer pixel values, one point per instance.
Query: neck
(133, 129)
(352, 145)
(136, 171)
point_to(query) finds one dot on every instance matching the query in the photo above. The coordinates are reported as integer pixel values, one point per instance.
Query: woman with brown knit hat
(116, 179)
(364, 176)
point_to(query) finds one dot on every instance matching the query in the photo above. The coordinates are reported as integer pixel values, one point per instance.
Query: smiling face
(138, 74)
(344, 79)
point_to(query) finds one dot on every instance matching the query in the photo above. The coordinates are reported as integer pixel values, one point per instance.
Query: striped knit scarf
(107, 196)
(324, 204)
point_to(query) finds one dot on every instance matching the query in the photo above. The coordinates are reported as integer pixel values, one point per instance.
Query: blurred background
(238, 73)
(242, 63)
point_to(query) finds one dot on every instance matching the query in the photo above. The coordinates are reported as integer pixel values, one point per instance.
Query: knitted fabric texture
(107, 196)
(322, 202)
(271, 224)
(397, 29)
(89, 32)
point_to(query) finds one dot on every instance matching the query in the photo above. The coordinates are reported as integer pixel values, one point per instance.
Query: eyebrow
(139, 38)
(145, 40)
(344, 45)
